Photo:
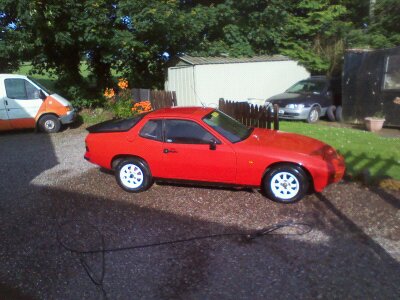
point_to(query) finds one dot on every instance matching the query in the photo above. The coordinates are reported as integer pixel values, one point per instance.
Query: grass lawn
(361, 149)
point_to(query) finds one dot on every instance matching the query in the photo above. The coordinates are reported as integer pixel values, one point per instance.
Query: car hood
(292, 98)
(287, 142)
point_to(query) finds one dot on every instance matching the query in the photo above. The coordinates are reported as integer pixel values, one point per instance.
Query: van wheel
(49, 124)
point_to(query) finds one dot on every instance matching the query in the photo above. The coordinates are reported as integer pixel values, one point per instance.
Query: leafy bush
(122, 102)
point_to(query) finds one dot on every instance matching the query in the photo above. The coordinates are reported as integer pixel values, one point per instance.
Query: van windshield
(41, 86)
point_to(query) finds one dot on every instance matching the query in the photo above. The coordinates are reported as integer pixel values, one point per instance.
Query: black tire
(338, 114)
(330, 112)
(133, 175)
(49, 124)
(286, 183)
(314, 114)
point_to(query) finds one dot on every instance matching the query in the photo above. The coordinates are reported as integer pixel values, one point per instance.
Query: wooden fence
(251, 115)
(158, 99)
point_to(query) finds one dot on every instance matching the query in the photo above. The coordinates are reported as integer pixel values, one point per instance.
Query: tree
(10, 51)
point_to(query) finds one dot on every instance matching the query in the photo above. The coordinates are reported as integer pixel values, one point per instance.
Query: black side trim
(202, 183)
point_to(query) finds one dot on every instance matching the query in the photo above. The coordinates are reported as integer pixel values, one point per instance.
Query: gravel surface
(353, 250)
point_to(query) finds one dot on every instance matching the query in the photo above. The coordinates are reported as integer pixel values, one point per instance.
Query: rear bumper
(69, 118)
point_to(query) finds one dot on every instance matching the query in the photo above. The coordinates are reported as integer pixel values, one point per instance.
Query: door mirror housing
(213, 144)
(42, 95)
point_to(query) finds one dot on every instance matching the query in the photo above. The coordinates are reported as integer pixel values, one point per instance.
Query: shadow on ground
(336, 260)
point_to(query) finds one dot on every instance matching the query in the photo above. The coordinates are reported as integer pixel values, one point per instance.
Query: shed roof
(199, 60)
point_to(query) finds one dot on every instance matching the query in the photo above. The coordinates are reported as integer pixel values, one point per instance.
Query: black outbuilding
(371, 84)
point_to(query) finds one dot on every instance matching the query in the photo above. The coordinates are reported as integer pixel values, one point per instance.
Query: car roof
(183, 112)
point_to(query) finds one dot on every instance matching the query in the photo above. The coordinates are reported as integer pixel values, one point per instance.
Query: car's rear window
(118, 125)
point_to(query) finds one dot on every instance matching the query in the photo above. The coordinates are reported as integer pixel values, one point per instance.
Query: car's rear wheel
(330, 112)
(286, 183)
(313, 116)
(133, 175)
(49, 124)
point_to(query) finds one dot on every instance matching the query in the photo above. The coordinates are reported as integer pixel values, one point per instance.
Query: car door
(188, 154)
(22, 102)
(4, 122)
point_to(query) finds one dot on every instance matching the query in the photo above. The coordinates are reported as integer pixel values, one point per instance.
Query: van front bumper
(69, 118)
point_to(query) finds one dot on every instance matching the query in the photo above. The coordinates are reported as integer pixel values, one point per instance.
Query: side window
(392, 73)
(186, 132)
(152, 130)
(17, 88)
(31, 91)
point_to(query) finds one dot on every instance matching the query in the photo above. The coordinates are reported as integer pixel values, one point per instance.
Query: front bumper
(293, 113)
(69, 118)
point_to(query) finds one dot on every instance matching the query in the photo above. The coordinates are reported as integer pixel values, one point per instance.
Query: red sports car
(204, 145)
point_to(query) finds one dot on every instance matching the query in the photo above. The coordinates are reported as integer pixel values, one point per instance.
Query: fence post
(276, 119)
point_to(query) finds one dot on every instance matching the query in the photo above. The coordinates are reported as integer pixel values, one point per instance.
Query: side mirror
(42, 95)
(213, 144)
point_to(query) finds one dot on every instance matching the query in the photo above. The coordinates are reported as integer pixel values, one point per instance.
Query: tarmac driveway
(351, 252)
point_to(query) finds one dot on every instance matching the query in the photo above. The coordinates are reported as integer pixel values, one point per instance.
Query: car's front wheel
(133, 175)
(313, 116)
(286, 183)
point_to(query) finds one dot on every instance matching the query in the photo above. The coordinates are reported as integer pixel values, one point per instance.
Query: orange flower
(142, 106)
(123, 83)
(109, 93)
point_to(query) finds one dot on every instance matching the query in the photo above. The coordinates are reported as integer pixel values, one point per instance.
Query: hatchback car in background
(310, 99)
(204, 145)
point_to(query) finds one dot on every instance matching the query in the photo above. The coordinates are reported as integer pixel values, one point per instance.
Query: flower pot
(374, 124)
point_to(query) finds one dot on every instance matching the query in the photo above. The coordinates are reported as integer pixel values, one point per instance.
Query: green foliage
(130, 36)
(121, 104)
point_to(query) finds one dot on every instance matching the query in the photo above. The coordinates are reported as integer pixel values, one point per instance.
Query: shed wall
(181, 80)
(237, 81)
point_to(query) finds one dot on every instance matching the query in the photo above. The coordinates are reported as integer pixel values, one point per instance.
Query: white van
(24, 103)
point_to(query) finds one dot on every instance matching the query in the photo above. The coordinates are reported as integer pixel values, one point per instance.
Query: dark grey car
(309, 100)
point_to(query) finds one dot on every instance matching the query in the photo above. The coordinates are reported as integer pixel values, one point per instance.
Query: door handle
(6, 102)
(166, 151)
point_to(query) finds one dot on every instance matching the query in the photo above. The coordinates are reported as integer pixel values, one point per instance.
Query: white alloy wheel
(131, 176)
(284, 185)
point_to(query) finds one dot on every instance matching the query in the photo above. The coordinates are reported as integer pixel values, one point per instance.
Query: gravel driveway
(353, 250)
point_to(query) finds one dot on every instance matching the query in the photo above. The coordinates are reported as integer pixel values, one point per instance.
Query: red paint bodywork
(243, 163)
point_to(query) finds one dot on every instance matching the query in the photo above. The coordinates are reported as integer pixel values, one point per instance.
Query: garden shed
(371, 84)
(204, 80)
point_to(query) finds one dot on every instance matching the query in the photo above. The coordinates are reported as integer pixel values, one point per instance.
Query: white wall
(180, 79)
(238, 81)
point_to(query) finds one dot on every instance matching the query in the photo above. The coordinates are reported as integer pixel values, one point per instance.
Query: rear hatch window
(118, 125)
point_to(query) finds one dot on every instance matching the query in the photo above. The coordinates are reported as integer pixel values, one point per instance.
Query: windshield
(43, 88)
(308, 87)
(227, 126)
